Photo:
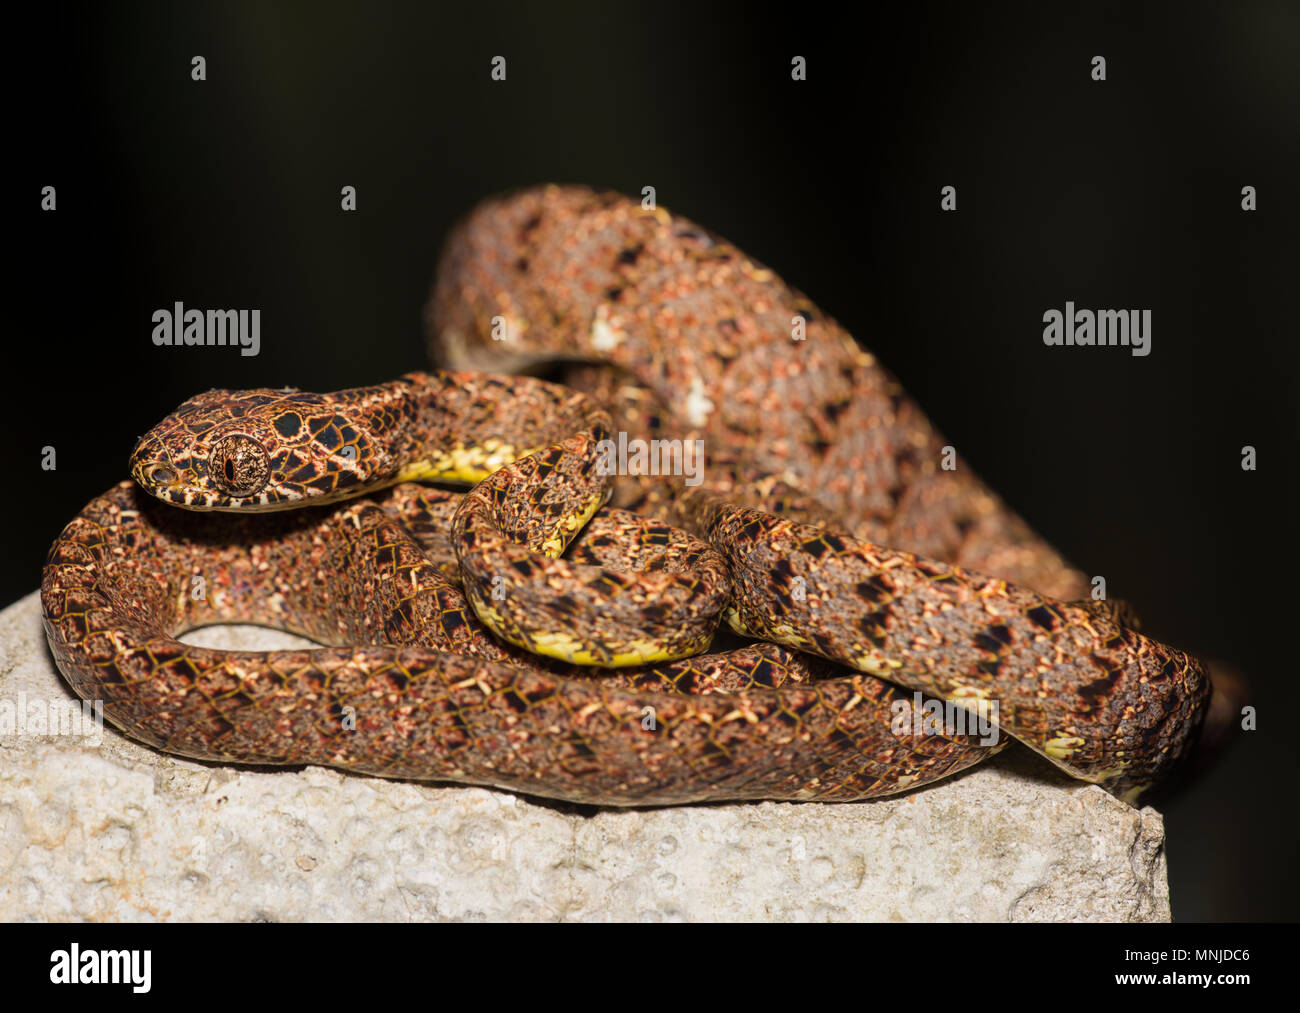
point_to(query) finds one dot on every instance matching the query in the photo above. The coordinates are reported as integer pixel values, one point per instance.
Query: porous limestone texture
(101, 828)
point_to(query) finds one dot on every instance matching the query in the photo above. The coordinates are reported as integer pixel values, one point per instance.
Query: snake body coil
(525, 635)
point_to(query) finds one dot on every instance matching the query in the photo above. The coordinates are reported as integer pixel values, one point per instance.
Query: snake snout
(160, 474)
(151, 467)
(154, 476)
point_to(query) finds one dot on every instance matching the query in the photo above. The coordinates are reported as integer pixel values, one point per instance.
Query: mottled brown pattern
(117, 586)
(686, 338)
(1069, 679)
(706, 331)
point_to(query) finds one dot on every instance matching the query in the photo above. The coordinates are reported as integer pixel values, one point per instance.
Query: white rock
(117, 831)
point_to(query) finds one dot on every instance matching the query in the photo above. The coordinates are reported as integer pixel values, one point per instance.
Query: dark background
(1125, 194)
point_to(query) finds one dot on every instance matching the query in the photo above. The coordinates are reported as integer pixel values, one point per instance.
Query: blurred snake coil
(548, 631)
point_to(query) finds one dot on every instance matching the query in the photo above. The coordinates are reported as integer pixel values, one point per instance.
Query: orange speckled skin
(707, 332)
(688, 338)
(399, 703)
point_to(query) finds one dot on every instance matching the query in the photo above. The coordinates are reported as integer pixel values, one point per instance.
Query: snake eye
(160, 474)
(238, 466)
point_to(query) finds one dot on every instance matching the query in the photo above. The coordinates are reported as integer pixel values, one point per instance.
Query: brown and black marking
(817, 460)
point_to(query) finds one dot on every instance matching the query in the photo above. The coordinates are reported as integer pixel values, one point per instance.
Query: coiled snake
(526, 636)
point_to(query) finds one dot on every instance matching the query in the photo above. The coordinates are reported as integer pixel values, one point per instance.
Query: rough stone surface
(105, 829)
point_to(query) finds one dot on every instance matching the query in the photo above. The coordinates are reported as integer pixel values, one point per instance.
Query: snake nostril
(160, 474)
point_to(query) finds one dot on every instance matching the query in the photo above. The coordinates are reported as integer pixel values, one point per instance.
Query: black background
(1124, 194)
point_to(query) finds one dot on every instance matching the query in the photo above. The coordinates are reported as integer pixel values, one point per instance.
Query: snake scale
(548, 630)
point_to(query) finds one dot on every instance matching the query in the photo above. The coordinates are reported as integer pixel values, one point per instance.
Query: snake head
(260, 450)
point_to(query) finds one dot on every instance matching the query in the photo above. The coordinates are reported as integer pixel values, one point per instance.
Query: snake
(497, 605)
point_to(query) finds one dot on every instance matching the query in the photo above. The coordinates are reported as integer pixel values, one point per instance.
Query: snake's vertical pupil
(238, 466)
(162, 475)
